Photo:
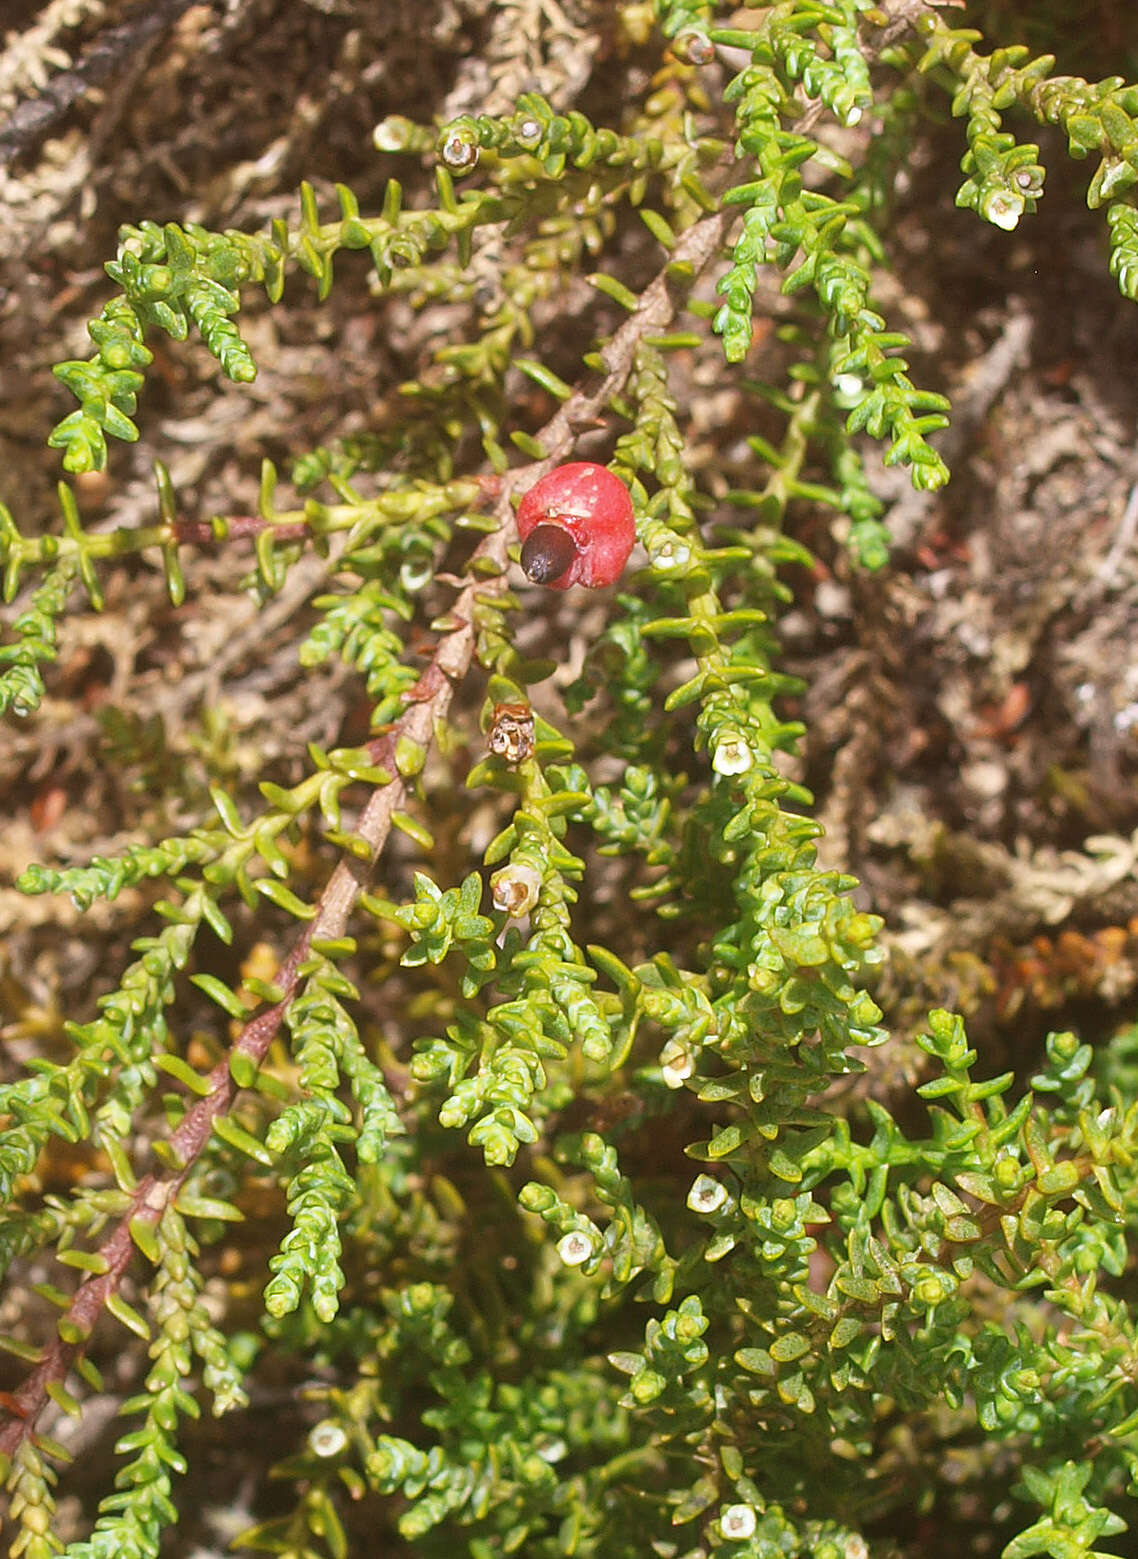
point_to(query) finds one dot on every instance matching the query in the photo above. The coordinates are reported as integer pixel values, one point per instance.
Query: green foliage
(593, 1253)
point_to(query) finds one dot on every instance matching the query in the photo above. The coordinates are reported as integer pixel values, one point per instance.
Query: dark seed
(547, 553)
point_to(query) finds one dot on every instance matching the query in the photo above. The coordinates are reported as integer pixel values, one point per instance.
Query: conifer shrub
(485, 1088)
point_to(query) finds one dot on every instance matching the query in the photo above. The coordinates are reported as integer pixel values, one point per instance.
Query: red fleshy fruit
(576, 527)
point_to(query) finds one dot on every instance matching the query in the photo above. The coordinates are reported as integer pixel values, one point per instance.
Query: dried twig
(31, 120)
(1123, 540)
